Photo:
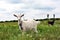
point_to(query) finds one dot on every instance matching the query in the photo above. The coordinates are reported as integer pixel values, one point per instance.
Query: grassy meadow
(10, 31)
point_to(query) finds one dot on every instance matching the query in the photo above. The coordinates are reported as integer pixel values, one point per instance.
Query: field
(10, 31)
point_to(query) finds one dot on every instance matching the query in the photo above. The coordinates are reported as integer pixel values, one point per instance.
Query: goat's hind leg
(35, 30)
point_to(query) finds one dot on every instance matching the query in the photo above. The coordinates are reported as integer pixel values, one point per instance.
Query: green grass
(10, 31)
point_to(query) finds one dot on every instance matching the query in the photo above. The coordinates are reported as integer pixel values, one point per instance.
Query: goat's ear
(15, 15)
(22, 15)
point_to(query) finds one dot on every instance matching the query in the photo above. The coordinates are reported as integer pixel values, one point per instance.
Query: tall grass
(10, 31)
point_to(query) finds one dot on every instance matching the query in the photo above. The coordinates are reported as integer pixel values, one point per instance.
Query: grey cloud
(14, 1)
(1, 9)
(44, 8)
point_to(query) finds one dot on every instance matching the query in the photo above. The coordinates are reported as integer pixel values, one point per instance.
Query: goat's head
(18, 16)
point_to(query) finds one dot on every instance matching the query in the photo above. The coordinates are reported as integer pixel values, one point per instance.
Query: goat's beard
(20, 24)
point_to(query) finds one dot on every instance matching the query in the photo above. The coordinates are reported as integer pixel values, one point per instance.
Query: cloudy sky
(31, 8)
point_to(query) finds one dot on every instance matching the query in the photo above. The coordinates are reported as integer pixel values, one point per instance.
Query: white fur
(28, 24)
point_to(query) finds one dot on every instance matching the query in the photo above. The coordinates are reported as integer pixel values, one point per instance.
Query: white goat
(26, 25)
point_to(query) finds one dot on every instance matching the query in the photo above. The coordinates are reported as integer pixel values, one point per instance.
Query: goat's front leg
(23, 31)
